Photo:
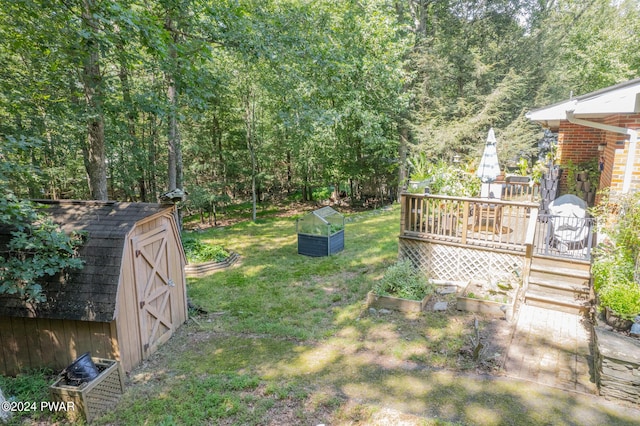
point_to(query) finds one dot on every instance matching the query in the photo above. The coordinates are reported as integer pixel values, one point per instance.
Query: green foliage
(523, 166)
(404, 281)
(611, 265)
(622, 297)
(615, 260)
(590, 168)
(197, 251)
(538, 171)
(37, 248)
(434, 74)
(27, 387)
(419, 167)
(323, 193)
(335, 227)
(445, 179)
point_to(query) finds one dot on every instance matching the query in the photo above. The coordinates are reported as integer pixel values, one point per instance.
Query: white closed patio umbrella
(489, 168)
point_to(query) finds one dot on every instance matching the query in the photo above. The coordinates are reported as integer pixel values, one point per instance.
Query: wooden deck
(459, 239)
(497, 224)
(483, 222)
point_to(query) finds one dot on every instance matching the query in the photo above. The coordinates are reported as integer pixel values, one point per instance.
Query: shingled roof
(88, 294)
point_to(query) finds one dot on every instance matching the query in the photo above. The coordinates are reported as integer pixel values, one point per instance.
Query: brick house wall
(616, 154)
(579, 144)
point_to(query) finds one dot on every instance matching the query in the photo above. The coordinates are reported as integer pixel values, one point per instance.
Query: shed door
(153, 287)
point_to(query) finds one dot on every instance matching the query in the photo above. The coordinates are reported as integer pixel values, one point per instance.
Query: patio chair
(489, 215)
(570, 225)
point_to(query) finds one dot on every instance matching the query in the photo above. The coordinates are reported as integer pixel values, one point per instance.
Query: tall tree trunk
(289, 172)
(174, 172)
(95, 153)
(153, 140)
(420, 11)
(132, 118)
(402, 156)
(249, 117)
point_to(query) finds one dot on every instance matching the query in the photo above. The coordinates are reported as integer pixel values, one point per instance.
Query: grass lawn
(288, 341)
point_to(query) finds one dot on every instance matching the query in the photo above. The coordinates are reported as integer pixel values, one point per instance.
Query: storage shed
(127, 300)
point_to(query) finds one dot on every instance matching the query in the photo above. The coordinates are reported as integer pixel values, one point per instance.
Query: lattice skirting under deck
(454, 263)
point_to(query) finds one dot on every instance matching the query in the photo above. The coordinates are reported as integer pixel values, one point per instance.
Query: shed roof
(88, 294)
(623, 98)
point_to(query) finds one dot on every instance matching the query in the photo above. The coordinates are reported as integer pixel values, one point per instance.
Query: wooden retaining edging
(395, 303)
(199, 270)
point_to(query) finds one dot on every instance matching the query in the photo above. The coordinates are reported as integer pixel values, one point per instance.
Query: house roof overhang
(622, 98)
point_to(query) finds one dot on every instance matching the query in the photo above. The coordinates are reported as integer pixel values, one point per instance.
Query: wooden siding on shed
(127, 306)
(47, 341)
(42, 342)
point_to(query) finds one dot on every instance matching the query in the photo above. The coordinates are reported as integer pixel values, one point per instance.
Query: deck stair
(559, 284)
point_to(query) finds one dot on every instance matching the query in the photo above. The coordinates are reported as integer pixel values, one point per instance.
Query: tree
(341, 92)
(474, 71)
(36, 247)
(95, 151)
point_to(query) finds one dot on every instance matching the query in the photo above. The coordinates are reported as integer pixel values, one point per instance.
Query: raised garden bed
(320, 233)
(89, 400)
(617, 364)
(479, 297)
(320, 245)
(395, 303)
(198, 270)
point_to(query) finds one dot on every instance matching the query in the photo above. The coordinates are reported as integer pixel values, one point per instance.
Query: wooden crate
(94, 398)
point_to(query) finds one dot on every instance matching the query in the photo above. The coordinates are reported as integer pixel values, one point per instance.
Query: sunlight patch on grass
(482, 415)
(347, 314)
(349, 332)
(414, 387)
(312, 361)
(232, 354)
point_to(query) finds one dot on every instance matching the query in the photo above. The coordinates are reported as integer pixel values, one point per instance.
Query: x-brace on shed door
(153, 288)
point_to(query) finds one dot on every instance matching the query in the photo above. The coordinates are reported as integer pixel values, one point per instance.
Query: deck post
(465, 221)
(529, 246)
(403, 212)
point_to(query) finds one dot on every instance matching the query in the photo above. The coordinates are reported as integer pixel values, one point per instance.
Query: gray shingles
(90, 293)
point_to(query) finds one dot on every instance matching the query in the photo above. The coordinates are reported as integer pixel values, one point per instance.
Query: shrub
(36, 249)
(615, 262)
(403, 280)
(622, 297)
(443, 178)
(609, 266)
(197, 251)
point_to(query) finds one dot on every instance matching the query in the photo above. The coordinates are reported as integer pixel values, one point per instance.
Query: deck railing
(520, 191)
(565, 236)
(485, 222)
